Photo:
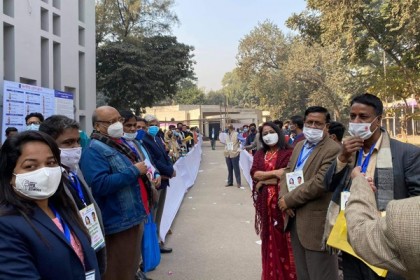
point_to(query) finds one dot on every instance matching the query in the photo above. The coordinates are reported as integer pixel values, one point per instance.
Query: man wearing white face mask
(392, 166)
(65, 132)
(306, 204)
(113, 173)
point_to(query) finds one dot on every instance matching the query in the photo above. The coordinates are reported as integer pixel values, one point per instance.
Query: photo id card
(343, 199)
(90, 219)
(90, 275)
(294, 179)
(229, 146)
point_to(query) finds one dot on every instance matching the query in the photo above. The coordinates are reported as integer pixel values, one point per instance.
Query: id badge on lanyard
(90, 275)
(294, 180)
(90, 219)
(229, 146)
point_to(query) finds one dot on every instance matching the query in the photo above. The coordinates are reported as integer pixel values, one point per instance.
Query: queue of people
(69, 211)
(73, 212)
(299, 177)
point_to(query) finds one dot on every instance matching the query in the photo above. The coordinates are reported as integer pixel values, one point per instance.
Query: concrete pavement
(213, 236)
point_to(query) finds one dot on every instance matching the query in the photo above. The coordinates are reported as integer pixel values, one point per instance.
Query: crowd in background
(309, 181)
(75, 207)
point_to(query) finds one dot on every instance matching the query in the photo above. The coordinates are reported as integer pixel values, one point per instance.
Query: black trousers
(355, 269)
(233, 166)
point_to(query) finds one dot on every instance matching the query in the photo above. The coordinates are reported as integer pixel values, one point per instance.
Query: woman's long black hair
(281, 143)
(13, 204)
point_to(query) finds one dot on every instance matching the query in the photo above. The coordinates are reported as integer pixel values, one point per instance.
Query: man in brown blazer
(391, 242)
(308, 202)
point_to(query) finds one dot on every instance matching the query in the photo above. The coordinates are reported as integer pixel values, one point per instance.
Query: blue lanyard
(132, 149)
(365, 163)
(301, 158)
(74, 181)
(63, 224)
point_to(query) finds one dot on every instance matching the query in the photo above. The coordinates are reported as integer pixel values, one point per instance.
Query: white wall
(26, 20)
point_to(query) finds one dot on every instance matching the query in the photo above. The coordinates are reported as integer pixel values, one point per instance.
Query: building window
(56, 4)
(45, 63)
(9, 52)
(57, 65)
(81, 36)
(56, 25)
(82, 81)
(82, 10)
(44, 19)
(9, 7)
(27, 81)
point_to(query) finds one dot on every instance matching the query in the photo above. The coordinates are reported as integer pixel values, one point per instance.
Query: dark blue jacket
(24, 255)
(160, 157)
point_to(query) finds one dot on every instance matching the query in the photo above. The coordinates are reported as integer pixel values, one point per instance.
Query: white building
(51, 44)
(207, 117)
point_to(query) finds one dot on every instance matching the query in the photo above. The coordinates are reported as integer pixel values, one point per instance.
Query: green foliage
(362, 29)
(215, 98)
(117, 20)
(138, 74)
(189, 94)
(138, 65)
(287, 74)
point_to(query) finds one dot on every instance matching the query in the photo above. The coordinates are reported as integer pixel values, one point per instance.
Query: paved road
(213, 235)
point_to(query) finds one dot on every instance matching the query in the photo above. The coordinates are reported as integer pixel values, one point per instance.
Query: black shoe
(165, 250)
(141, 276)
(229, 185)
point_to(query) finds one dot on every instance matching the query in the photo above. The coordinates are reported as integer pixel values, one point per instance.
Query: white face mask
(39, 184)
(129, 136)
(70, 157)
(271, 139)
(32, 127)
(361, 129)
(313, 135)
(115, 130)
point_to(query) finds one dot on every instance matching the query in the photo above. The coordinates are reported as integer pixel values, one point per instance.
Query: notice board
(20, 100)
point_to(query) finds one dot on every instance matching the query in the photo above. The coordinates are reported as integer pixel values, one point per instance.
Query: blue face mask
(140, 134)
(176, 133)
(153, 130)
(32, 127)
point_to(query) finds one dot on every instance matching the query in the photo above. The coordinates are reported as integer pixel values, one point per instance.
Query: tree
(117, 20)
(138, 74)
(189, 94)
(237, 90)
(215, 98)
(261, 57)
(365, 27)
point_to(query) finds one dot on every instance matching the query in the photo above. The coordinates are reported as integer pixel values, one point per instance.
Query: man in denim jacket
(113, 174)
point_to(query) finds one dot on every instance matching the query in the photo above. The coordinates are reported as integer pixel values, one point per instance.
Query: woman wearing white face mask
(65, 132)
(266, 171)
(41, 233)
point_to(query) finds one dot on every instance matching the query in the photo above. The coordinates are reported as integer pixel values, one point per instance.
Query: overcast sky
(214, 28)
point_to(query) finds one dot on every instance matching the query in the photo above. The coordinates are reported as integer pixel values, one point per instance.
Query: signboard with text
(20, 100)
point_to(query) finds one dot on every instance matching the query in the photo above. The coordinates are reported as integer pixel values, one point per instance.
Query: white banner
(186, 172)
(245, 163)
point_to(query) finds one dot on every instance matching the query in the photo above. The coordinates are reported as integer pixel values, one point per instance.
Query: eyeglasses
(314, 124)
(120, 119)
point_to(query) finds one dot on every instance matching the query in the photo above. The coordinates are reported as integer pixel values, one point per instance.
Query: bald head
(103, 116)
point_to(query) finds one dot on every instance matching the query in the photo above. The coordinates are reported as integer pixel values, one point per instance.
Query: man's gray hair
(150, 118)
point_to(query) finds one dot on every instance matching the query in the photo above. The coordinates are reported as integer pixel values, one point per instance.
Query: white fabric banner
(186, 172)
(245, 163)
